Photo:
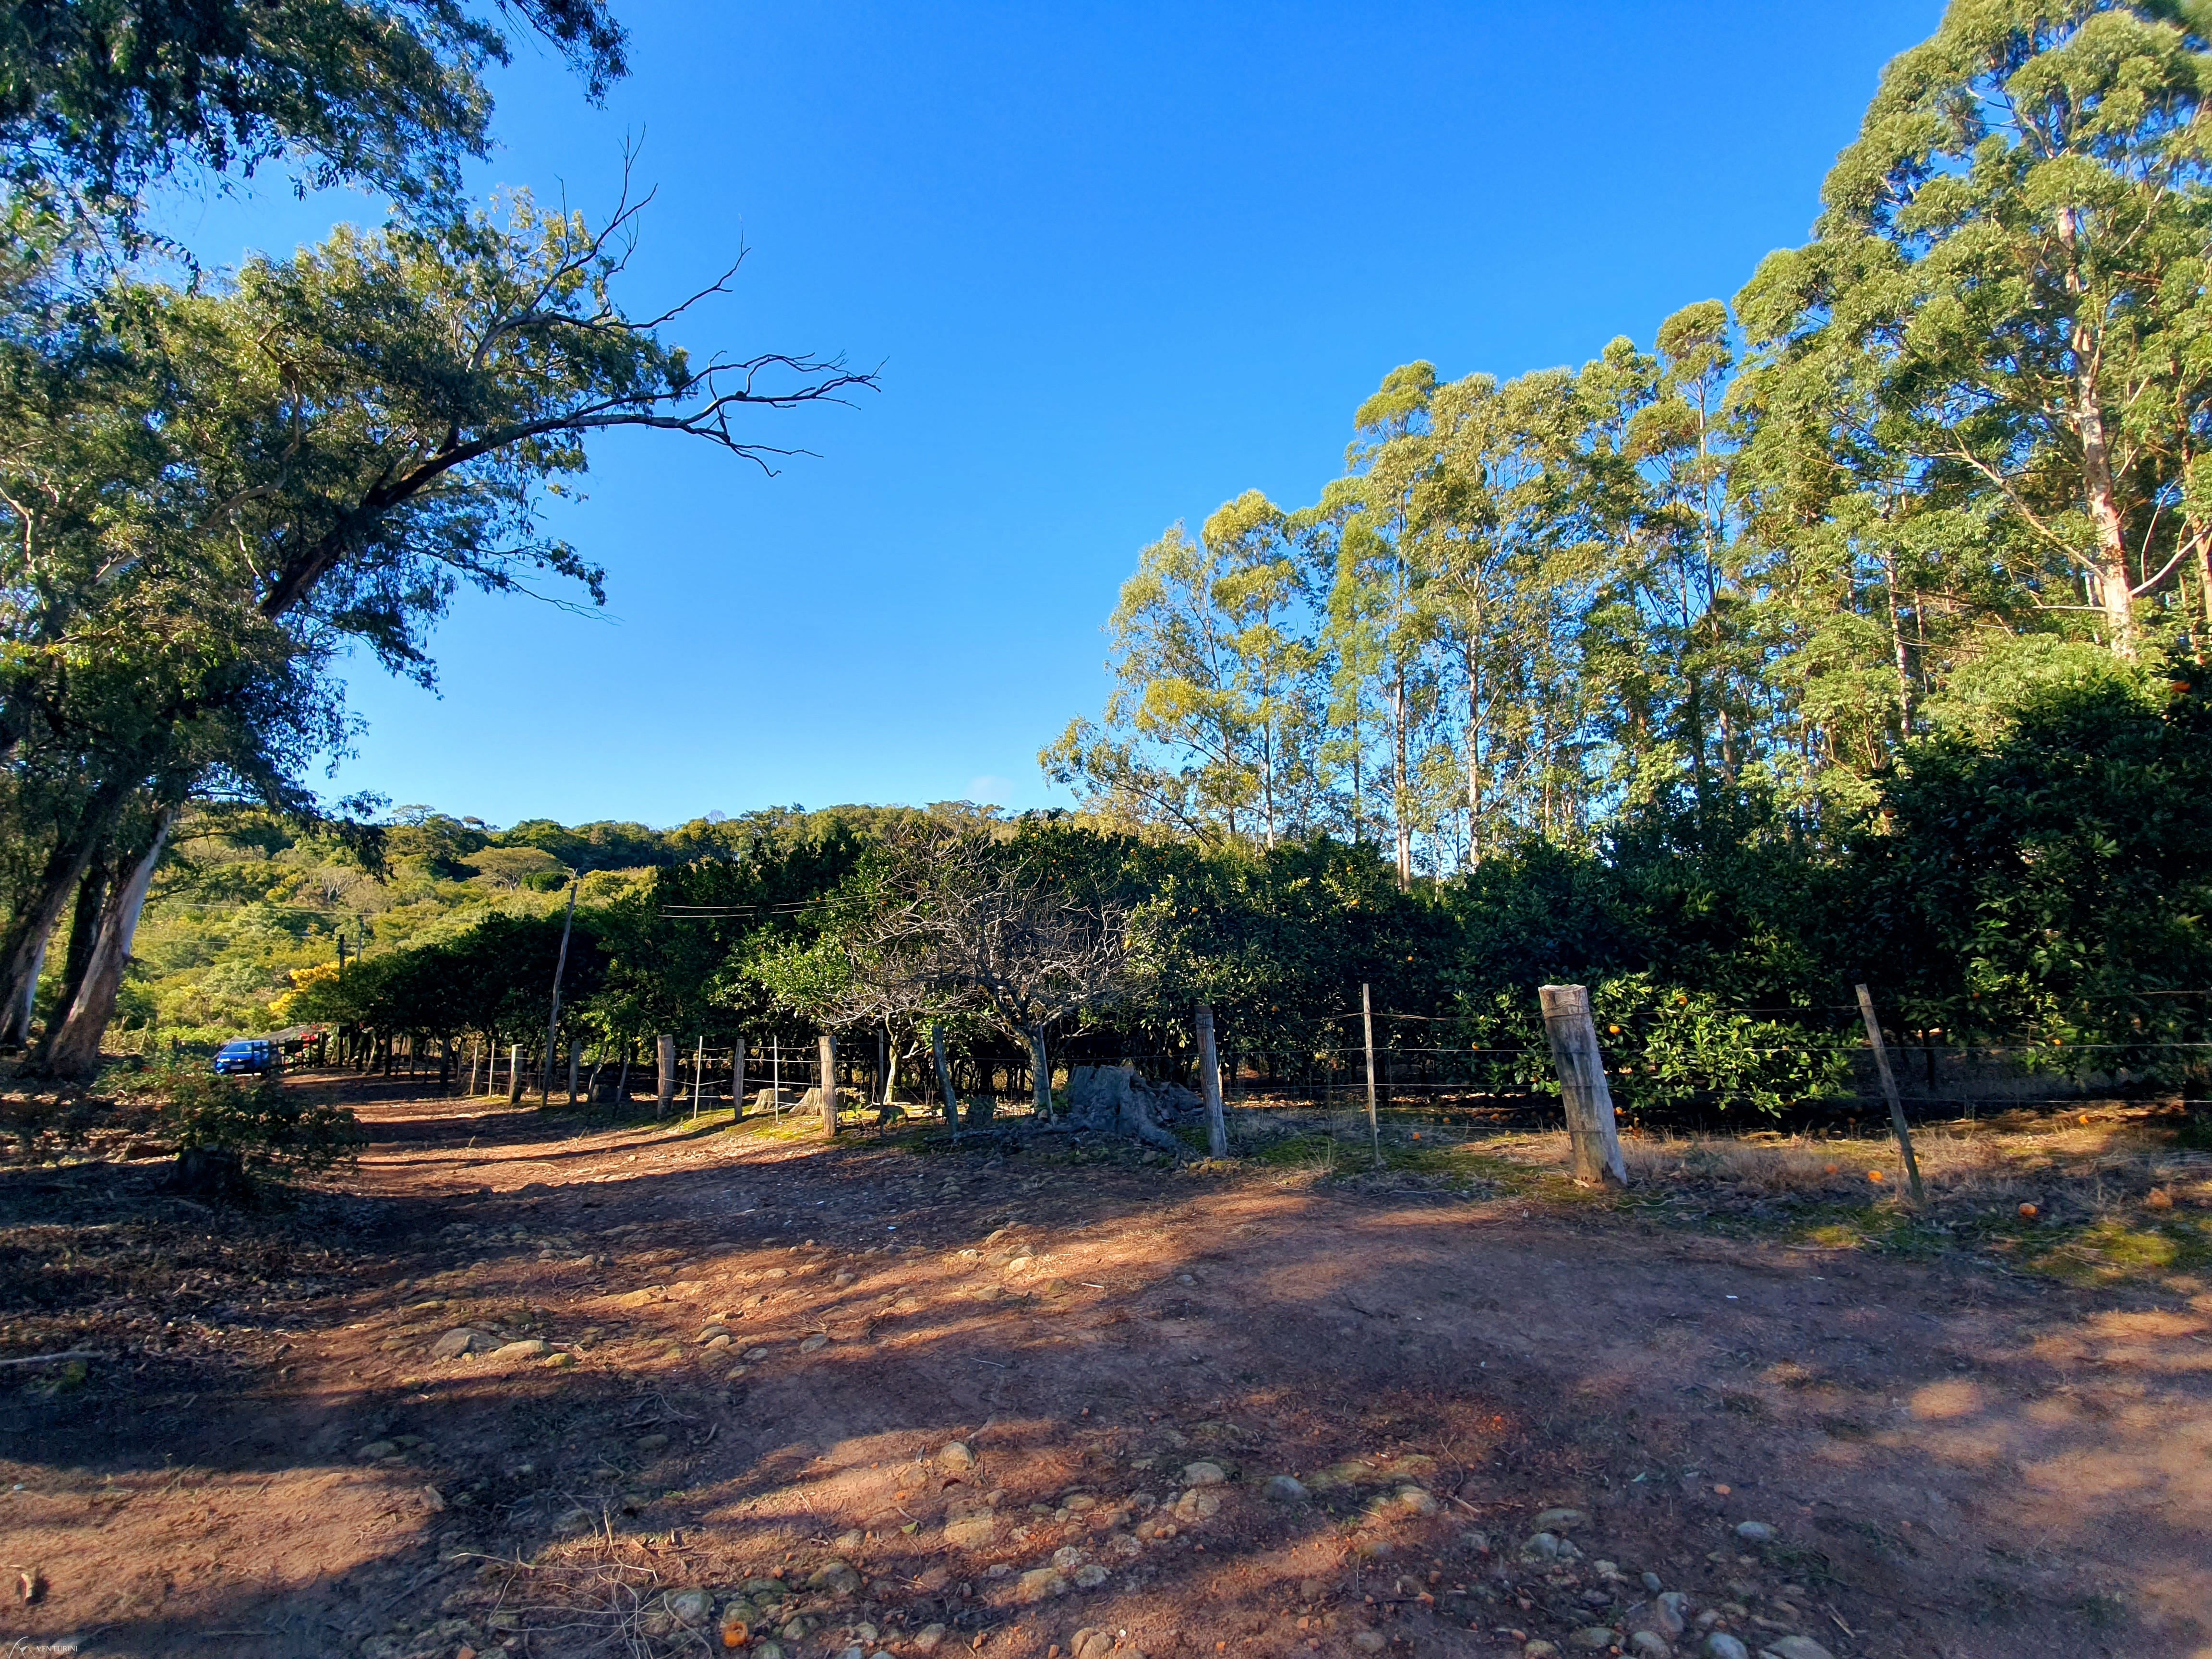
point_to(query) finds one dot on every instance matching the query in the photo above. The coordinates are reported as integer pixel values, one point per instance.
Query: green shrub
(253, 1118)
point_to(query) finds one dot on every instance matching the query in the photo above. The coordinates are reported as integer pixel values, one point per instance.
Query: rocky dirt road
(519, 1384)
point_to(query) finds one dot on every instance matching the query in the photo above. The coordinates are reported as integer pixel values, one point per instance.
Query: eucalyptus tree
(1381, 628)
(1212, 720)
(1506, 567)
(2015, 249)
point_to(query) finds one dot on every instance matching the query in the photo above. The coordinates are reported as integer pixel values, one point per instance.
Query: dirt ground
(1031, 1399)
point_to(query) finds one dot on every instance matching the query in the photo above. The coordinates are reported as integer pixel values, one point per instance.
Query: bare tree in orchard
(865, 970)
(1017, 928)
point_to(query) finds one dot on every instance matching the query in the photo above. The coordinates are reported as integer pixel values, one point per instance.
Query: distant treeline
(2044, 885)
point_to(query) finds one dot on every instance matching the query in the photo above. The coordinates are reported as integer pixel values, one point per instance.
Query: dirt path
(732, 1363)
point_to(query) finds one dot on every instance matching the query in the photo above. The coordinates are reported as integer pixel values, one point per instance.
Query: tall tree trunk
(1402, 821)
(74, 1051)
(25, 948)
(1474, 761)
(1359, 796)
(2114, 579)
(2099, 493)
(1897, 645)
(16, 1019)
(1267, 783)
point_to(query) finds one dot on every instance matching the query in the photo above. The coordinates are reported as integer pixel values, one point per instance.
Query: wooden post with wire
(1592, 1135)
(738, 1079)
(826, 1046)
(1889, 1091)
(553, 1016)
(1209, 1078)
(944, 1079)
(1367, 1030)
(664, 1061)
(698, 1073)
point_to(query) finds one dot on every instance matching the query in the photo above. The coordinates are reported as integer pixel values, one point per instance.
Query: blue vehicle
(246, 1054)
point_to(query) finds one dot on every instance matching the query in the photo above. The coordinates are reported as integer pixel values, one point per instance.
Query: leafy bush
(253, 1118)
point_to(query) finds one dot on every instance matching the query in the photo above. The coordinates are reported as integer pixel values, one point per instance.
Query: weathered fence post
(1209, 1078)
(513, 1074)
(575, 1060)
(1889, 1090)
(553, 1014)
(826, 1047)
(944, 1079)
(663, 1056)
(738, 1079)
(1590, 1129)
(1367, 1028)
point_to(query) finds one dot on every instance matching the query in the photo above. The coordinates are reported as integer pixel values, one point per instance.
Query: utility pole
(553, 1019)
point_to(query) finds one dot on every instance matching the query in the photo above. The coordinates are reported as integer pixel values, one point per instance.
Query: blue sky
(1118, 263)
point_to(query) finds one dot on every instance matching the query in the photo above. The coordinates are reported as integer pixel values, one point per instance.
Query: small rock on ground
(1794, 1647)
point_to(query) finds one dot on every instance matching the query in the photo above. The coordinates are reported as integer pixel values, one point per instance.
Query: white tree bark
(74, 1050)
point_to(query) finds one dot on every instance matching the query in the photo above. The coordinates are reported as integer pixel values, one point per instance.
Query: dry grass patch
(2094, 1196)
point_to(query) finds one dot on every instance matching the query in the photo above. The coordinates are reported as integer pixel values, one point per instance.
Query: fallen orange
(1876, 1176)
(2028, 1212)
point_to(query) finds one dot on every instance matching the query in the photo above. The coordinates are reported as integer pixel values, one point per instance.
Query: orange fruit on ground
(2160, 1198)
(2028, 1212)
(1875, 1176)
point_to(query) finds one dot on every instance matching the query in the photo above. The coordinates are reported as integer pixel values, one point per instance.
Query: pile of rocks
(1661, 1623)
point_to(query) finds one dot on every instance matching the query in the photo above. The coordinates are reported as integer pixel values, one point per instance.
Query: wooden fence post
(553, 1015)
(664, 1057)
(944, 1079)
(1209, 1078)
(575, 1060)
(826, 1046)
(698, 1071)
(1367, 1029)
(513, 1074)
(1590, 1129)
(1889, 1091)
(738, 1079)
